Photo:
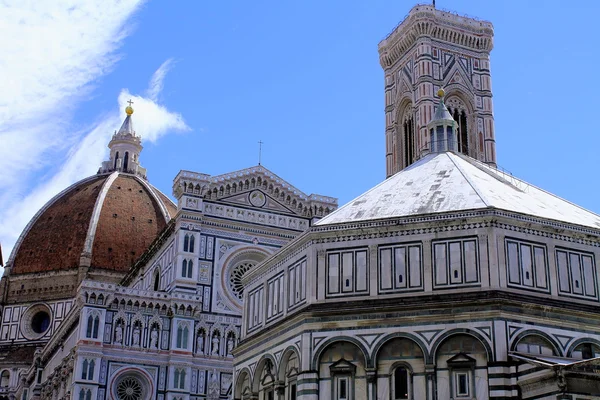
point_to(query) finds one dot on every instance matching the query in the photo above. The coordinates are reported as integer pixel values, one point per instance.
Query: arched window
(401, 383)
(87, 369)
(157, 280)
(184, 268)
(408, 131)
(188, 271)
(84, 369)
(5, 378)
(95, 327)
(182, 337)
(126, 161)
(192, 240)
(586, 351)
(458, 109)
(179, 381)
(85, 394)
(93, 322)
(186, 242)
(534, 344)
(116, 158)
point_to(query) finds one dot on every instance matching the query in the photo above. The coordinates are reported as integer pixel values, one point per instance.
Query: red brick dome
(106, 220)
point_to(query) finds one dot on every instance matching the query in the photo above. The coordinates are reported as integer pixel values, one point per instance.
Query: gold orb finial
(129, 109)
(441, 93)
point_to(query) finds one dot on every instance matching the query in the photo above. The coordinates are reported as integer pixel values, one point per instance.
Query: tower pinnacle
(125, 148)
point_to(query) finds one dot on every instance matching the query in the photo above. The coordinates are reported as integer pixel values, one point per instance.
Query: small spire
(442, 128)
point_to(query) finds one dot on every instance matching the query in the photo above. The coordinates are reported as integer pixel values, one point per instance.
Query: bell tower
(429, 50)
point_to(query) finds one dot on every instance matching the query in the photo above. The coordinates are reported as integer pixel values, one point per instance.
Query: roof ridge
(483, 198)
(490, 170)
(88, 244)
(323, 221)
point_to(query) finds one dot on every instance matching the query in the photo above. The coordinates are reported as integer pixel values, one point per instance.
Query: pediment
(257, 187)
(461, 359)
(257, 198)
(342, 366)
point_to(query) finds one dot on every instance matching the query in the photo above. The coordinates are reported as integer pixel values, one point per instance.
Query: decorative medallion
(257, 198)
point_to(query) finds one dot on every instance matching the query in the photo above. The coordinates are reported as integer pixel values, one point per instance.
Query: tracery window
(93, 322)
(186, 268)
(85, 394)
(87, 369)
(235, 278)
(129, 388)
(179, 378)
(182, 336)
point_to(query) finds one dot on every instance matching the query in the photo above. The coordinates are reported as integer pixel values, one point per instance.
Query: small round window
(235, 278)
(40, 322)
(36, 321)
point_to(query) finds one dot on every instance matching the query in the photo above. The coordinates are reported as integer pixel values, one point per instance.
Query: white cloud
(55, 53)
(157, 81)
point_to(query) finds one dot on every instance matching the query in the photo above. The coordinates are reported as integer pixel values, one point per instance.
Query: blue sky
(211, 78)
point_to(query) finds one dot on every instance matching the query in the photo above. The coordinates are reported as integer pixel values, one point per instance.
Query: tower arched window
(126, 161)
(406, 144)
(192, 240)
(458, 109)
(116, 158)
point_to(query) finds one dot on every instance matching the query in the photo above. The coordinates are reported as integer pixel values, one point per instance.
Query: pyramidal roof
(446, 182)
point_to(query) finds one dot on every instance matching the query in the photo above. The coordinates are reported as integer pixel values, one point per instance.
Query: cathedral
(448, 280)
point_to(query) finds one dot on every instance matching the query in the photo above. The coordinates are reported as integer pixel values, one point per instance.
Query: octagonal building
(449, 280)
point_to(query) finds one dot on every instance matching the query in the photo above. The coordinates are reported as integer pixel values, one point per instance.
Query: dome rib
(91, 234)
(42, 210)
(102, 222)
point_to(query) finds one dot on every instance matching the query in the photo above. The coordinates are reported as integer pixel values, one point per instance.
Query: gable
(259, 188)
(257, 198)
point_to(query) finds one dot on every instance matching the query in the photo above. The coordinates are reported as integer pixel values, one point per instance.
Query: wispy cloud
(56, 51)
(157, 81)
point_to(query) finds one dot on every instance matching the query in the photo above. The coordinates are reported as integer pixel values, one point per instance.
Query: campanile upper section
(431, 50)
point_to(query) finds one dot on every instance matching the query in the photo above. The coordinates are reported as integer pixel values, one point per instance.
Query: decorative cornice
(427, 21)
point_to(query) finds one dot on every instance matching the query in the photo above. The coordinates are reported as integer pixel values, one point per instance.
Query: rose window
(235, 278)
(129, 388)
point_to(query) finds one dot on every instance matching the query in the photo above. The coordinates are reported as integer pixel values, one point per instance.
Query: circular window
(40, 322)
(36, 321)
(235, 278)
(129, 388)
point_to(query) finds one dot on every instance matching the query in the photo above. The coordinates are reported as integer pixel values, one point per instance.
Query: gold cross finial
(129, 109)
